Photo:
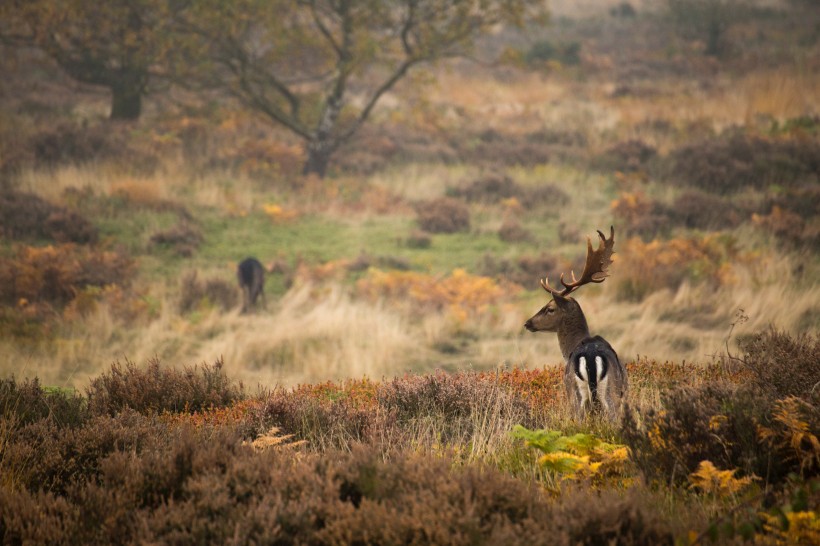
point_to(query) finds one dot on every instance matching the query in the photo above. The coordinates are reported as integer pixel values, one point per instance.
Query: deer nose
(528, 325)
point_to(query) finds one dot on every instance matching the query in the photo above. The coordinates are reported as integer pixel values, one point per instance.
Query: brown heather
(158, 455)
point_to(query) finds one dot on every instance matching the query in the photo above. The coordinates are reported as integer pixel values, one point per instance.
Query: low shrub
(490, 189)
(704, 211)
(789, 228)
(639, 215)
(511, 231)
(611, 517)
(461, 293)
(183, 239)
(736, 162)
(648, 267)
(627, 156)
(801, 200)
(544, 51)
(156, 389)
(55, 275)
(717, 422)
(418, 239)
(524, 271)
(496, 188)
(783, 365)
(27, 216)
(28, 402)
(70, 143)
(195, 293)
(444, 215)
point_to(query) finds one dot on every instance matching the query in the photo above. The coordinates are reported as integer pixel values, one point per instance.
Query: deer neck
(572, 331)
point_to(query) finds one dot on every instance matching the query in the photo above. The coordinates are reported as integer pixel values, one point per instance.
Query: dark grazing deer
(251, 275)
(594, 377)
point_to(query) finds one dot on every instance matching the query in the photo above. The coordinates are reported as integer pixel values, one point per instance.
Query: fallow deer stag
(594, 377)
(251, 276)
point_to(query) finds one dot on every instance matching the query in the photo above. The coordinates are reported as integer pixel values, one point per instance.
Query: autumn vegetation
(406, 172)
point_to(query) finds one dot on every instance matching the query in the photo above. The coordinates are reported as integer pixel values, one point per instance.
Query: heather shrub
(67, 142)
(490, 189)
(783, 365)
(544, 51)
(337, 420)
(460, 293)
(42, 456)
(418, 239)
(496, 188)
(801, 200)
(156, 389)
(627, 156)
(444, 215)
(648, 267)
(492, 149)
(524, 271)
(183, 239)
(449, 395)
(511, 231)
(56, 274)
(195, 293)
(638, 215)
(28, 402)
(27, 216)
(729, 164)
(789, 228)
(610, 517)
(717, 422)
(700, 210)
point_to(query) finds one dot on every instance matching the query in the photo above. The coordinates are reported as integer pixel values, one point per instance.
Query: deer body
(594, 377)
(251, 276)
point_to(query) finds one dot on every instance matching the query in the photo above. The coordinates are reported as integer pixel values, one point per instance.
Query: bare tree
(319, 67)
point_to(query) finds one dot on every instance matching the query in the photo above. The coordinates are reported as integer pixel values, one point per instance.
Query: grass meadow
(386, 391)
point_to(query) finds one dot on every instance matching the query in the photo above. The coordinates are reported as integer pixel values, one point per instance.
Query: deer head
(563, 314)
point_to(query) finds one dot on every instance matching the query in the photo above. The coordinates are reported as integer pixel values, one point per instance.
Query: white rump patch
(582, 368)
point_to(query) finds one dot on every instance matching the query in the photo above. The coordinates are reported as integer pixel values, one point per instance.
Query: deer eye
(550, 310)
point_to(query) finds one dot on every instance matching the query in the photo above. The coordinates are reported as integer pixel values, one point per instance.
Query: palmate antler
(595, 270)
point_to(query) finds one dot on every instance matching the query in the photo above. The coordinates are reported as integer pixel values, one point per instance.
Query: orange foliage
(37, 281)
(631, 207)
(280, 214)
(461, 293)
(647, 267)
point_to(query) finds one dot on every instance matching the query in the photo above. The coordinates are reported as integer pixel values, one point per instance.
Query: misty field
(385, 390)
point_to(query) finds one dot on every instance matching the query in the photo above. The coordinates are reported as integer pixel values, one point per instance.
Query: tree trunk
(318, 159)
(126, 101)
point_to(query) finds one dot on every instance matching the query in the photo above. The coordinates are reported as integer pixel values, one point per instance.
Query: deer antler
(595, 270)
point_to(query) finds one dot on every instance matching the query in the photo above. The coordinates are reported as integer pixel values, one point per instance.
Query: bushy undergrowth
(729, 164)
(496, 188)
(195, 293)
(783, 365)
(29, 217)
(444, 215)
(648, 267)
(157, 389)
(183, 239)
(157, 455)
(41, 285)
(767, 426)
